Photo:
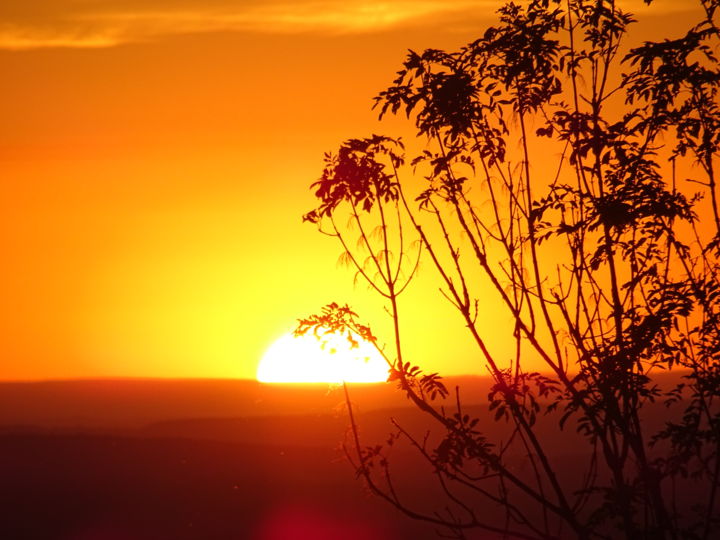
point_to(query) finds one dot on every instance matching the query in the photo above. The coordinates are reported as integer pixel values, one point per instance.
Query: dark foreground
(90, 487)
(218, 460)
(121, 461)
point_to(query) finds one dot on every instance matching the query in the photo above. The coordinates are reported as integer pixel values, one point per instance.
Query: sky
(156, 158)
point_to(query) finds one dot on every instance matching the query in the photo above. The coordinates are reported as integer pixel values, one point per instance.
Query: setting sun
(327, 358)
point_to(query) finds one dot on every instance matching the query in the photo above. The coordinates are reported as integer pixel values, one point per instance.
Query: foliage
(606, 262)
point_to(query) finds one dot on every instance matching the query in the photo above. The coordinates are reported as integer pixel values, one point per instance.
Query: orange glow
(156, 162)
(328, 358)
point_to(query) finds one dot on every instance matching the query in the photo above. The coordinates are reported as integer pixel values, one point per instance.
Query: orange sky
(156, 158)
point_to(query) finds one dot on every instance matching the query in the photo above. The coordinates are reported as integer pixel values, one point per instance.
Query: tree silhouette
(606, 260)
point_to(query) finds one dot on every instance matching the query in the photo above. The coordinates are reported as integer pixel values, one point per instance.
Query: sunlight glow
(327, 359)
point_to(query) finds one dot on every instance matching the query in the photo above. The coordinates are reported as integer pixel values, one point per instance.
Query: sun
(328, 358)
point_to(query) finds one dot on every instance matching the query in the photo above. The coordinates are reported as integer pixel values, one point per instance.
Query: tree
(607, 262)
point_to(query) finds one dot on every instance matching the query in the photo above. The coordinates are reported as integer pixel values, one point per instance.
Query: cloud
(73, 23)
(90, 24)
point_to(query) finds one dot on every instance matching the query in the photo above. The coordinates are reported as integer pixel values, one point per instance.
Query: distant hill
(136, 402)
(131, 403)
